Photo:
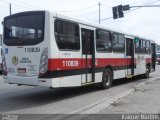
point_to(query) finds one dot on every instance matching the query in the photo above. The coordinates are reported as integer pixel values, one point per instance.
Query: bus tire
(146, 75)
(107, 79)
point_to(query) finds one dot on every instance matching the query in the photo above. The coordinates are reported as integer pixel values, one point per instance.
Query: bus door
(130, 57)
(88, 55)
(137, 45)
(153, 52)
(143, 57)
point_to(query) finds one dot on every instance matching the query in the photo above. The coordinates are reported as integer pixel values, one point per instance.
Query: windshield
(24, 29)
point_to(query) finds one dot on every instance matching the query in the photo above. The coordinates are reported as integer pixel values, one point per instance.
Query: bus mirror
(2, 22)
(136, 40)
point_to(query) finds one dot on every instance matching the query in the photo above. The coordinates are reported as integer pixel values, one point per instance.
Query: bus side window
(103, 41)
(67, 35)
(118, 42)
(148, 47)
(138, 46)
(143, 46)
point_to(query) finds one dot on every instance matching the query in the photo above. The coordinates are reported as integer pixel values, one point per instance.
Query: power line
(93, 12)
(22, 6)
(27, 4)
(77, 10)
(109, 7)
(145, 6)
(4, 1)
(135, 2)
(141, 7)
(87, 13)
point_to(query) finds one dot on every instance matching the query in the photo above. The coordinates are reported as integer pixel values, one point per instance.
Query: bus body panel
(21, 80)
(70, 81)
(114, 60)
(21, 63)
(98, 77)
(119, 74)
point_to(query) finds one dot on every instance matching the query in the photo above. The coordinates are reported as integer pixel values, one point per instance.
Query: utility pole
(99, 4)
(10, 8)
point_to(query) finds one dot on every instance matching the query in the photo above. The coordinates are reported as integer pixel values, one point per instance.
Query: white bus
(41, 48)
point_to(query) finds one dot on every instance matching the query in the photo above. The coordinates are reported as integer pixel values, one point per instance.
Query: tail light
(4, 66)
(44, 61)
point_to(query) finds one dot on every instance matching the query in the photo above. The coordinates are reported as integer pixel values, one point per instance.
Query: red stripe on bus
(78, 63)
(113, 62)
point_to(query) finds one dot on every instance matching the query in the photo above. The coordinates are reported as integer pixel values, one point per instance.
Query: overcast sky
(143, 21)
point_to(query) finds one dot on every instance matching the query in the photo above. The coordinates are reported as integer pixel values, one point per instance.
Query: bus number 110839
(70, 63)
(33, 49)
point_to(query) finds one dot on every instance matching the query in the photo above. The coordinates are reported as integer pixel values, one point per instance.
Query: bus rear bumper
(31, 81)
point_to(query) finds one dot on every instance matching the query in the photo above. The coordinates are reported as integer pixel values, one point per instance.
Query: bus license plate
(21, 70)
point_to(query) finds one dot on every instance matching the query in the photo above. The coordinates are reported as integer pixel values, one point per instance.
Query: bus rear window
(24, 29)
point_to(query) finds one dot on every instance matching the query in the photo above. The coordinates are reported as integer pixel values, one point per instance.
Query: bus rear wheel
(107, 79)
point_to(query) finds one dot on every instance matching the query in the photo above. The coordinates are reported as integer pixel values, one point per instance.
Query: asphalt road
(41, 100)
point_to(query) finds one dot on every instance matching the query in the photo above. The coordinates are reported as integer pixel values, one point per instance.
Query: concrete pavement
(145, 99)
(142, 104)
